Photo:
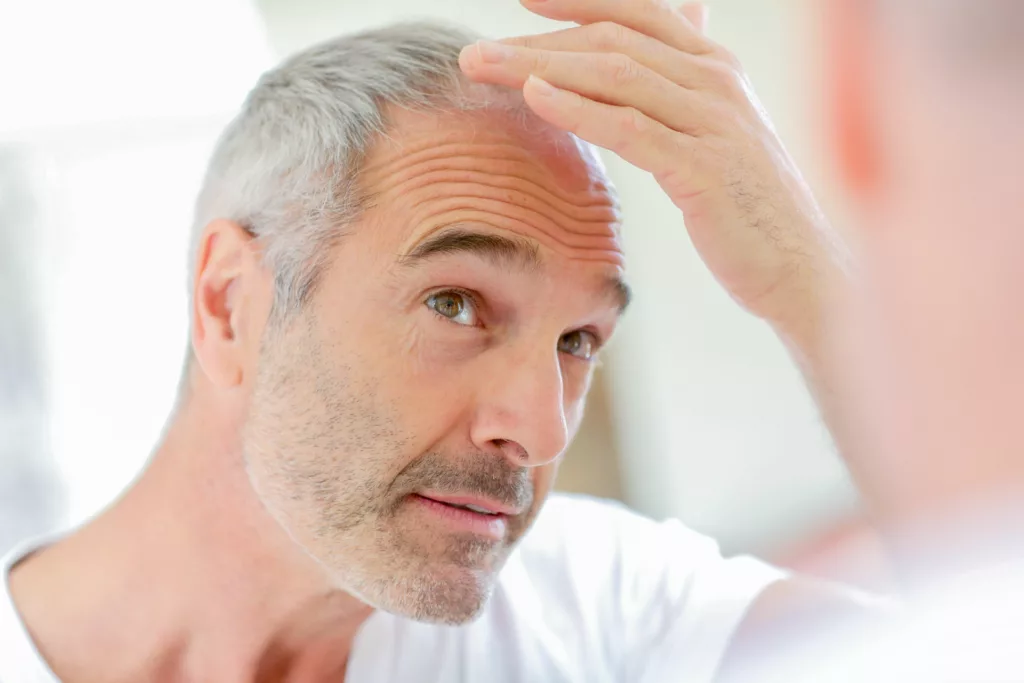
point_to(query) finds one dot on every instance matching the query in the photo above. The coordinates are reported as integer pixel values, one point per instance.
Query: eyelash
(599, 340)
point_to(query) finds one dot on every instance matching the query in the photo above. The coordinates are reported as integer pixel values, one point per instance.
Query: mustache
(483, 474)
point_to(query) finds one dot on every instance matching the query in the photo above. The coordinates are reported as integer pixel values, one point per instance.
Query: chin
(432, 579)
(451, 595)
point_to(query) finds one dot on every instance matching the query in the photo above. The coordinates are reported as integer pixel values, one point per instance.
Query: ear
(229, 308)
(850, 107)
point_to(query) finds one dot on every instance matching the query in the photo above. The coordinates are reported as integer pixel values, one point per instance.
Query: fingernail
(542, 87)
(493, 53)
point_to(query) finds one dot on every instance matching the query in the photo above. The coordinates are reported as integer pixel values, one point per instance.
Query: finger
(684, 69)
(634, 136)
(654, 18)
(697, 14)
(608, 78)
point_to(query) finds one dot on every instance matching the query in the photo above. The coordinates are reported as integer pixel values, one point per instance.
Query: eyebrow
(620, 291)
(502, 251)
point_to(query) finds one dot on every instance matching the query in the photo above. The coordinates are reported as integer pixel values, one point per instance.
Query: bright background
(109, 110)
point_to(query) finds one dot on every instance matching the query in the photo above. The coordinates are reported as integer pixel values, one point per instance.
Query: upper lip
(469, 499)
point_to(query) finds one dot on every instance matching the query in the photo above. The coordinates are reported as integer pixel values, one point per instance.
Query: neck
(187, 577)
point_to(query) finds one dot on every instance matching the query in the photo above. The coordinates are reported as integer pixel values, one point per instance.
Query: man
(936, 329)
(402, 275)
(925, 104)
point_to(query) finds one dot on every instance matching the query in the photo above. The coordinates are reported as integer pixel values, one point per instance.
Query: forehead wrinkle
(434, 155)
(590, 223)
(478, 210)
(589, 205)
(551, 193)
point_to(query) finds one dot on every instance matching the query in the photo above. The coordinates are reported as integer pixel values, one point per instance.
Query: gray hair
(286, 167)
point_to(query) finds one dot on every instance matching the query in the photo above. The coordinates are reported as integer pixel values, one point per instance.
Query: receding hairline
(288, 167)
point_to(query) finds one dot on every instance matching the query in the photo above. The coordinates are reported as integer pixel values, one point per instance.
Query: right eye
(454, 306)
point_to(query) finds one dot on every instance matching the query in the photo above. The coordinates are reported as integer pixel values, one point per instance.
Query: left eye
(453, 306)
(579, 344)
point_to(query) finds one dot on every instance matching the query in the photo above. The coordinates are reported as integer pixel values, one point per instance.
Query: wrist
(798, 313)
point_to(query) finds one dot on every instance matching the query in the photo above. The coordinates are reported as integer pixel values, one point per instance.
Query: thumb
(697, 13)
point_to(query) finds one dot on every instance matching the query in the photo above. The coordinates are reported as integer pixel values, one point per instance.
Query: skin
(640, 78)
(928, 339)
(267, 562)
(374, 392)
(935, 331)
(503, 401)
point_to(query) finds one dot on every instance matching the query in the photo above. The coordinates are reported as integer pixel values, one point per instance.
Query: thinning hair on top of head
(286, 167)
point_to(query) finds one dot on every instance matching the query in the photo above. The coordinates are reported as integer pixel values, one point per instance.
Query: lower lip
(492, 526)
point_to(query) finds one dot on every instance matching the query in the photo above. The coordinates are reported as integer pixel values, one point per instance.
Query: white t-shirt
(593, 593)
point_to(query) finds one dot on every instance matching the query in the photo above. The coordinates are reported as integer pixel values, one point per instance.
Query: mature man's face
(443, 362)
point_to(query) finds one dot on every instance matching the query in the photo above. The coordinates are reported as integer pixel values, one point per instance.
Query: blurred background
(109, 110)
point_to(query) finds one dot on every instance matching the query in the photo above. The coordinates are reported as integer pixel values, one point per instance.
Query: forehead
(573, 164)
(509, 172)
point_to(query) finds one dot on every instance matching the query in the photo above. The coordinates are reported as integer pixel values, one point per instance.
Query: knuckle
(622, 71)
(541, 62)
(633, 124)
(529, 42)
(607, 36)
(683, 150)
(725, 77)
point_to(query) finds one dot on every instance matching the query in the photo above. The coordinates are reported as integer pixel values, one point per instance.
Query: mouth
(471, 514)
(479, 504)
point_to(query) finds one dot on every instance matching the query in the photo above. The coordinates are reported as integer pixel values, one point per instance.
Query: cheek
(437, 368)
(416, 376)
(434, 349)
(429, 389)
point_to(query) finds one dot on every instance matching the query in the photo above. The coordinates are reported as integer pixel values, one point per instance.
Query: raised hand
(639, 78)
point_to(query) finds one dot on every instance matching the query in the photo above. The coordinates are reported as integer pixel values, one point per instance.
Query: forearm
(803, 320)
(932, 466)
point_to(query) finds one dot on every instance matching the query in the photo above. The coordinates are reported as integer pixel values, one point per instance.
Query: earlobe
(219, 300)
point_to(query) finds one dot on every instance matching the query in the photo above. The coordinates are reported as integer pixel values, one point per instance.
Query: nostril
(512, 449)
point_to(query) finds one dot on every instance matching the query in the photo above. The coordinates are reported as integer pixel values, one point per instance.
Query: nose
(521, 410)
